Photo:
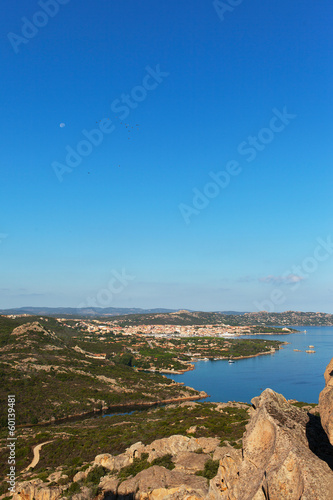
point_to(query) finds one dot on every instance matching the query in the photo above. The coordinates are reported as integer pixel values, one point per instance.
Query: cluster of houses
(100, 328)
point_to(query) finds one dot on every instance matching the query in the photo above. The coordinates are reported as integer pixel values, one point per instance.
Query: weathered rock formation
(326, 402)
(173, 445)
(158, 483)
(276, 461)
(37, 490)
(22, 329)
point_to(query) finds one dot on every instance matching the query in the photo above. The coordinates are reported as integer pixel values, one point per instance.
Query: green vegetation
(138, 465)
(165, 461)
(210, 470)
(43, 476)
(177, 354)
(301, 404)
(179, 318)
(186, 318)
(268, 330)
(72, 490)
(76, 443)
(240, 348)
(6, 327)
(52, 380)
(94, 476)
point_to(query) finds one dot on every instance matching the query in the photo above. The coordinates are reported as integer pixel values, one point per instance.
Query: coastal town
(98, 327)
(165, 348)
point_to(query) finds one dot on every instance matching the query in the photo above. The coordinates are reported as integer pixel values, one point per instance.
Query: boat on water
(230, 361)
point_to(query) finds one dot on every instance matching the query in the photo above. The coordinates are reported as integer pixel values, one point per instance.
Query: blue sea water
(296, 375)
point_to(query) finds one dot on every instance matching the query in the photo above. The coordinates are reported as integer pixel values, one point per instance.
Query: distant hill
(232, 313)
(288, 318)
(136, 316)
(83, 311)
(96, 311)
(181, 317)
(294, 318)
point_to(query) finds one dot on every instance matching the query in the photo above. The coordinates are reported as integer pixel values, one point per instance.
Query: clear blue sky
(203, 91)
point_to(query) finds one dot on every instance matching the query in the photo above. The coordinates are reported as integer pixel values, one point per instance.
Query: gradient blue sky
(119, 209)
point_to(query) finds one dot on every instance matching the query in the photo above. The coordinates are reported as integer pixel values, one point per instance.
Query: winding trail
(36, 458)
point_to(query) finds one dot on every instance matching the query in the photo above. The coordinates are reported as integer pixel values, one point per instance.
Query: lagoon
(296, 375)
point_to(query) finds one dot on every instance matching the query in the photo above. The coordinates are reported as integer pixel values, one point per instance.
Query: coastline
(168, 372)
(225, 358)
(119, 408)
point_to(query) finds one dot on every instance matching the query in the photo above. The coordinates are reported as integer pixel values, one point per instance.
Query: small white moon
(62, 125)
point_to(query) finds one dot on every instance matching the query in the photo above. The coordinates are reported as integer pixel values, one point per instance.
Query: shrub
(210, 470)
(43, 476)
(94, 476)
(236, 445)
(95, 491)
(165, 461)
(138, 465)
(63, 480)
(77, 461)
(74, 488)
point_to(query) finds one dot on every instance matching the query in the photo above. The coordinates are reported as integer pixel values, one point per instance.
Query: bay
(296, 375)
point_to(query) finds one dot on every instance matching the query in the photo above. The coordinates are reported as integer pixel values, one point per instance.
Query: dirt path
(35, 460)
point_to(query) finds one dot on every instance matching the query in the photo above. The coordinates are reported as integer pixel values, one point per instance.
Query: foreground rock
(326, 402)
(158, 483)
(173, 445)
(37, 490)
(276, 461)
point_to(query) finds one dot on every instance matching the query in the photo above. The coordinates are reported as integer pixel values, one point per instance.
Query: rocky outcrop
(276, 461)
(189, 462)
(119, 461)
(173, 445)
(158, 483)
(22, 329)
(326, 402)
(37, 490)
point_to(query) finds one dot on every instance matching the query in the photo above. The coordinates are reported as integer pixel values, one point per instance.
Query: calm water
(296, 375)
